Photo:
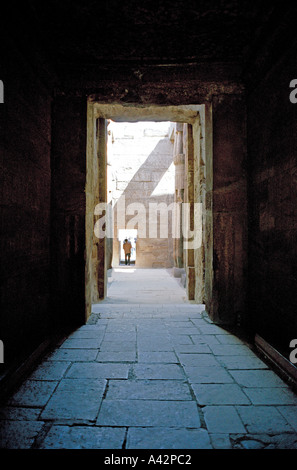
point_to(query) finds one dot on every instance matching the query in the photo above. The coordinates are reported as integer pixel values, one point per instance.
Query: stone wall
(141, 171)
(25, 152)
(68, 210)
(229, 209)
(272, 144)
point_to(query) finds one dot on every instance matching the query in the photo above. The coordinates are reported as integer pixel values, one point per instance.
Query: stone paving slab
(173, 324)
(200, 348)
(109, 315)
(263, 419)
(158, 371)
(257, 378)
(264, 441)
(17, 413)
(50, 370)
(220, 394)
(114, 326)
(220, 441)
(148, 390)
(230, 350)
(129, 336)
(290, 414)
(19, 434)
(153, 336)
(228, 339)
(167, 357)
(183, 330)
(187, 348)
(33, 392)
(167, 438)
(74, 399)
(145, 329)
(198, 320)
(84, 343)
(223, 419)
(148, 413)
(182, 340)
(84, 437)
(271, 396)
(242, 362)
(89, 370)
(212, 330)
(87, 333)
(73, 355)
(205, 339)
(116, 356)
(118, 346)
(155, 345)
(155, 322)
(198, 360)
(208, 375)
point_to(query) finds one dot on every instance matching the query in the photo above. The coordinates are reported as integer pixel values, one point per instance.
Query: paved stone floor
(150, 371)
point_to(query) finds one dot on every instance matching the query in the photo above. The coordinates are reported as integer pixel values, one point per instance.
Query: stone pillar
(179, 162)
(199, 210)
(189, 255)
(109, 240)
(101, 262)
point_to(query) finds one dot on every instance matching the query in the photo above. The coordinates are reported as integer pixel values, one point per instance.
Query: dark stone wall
(68, 210)
(228, 298)
(272, 147)
(43, 159)
(25, 142)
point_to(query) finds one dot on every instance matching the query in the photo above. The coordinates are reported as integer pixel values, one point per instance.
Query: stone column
(101, 262)
(189, 198)
(179, 162)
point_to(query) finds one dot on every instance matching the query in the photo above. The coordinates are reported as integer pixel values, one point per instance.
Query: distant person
(127, 249)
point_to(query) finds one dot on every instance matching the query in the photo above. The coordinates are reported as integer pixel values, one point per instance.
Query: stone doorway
(190, 127)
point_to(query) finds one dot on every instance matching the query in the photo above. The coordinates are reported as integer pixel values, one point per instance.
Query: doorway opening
(131, 236)
(191, 252)
(141, 190)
